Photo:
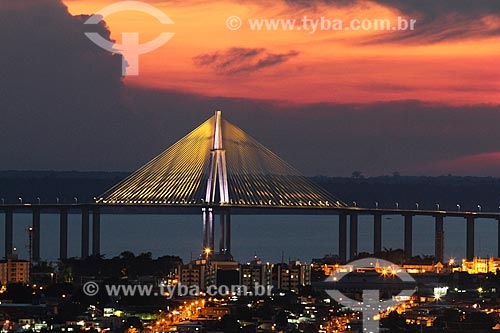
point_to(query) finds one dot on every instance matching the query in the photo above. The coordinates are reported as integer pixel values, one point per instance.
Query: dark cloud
(329, 139)
(437, 20)
(436, 9)
(242, 60)
(57, 89)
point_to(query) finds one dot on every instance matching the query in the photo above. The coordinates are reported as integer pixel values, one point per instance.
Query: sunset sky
(324, 66)
(425, 101)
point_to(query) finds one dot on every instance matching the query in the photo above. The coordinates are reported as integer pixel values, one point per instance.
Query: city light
(376, 118)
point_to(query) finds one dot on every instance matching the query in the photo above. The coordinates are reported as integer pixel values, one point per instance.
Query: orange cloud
(326, 66)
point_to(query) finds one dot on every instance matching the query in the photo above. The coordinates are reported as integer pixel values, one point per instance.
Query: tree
(480, 320)
(132, 325)
(281, 319)
(230, 325)
(357, 175)
(127, 255)
(393, 321)
(68, 311)
(18, 293)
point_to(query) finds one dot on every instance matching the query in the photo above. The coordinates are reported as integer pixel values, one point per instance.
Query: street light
(20, 200)
(416, 205)
(38, 200)
(397, 205)
(479, 208)
(3, 201)
(437, 206)
(458, 207)
(76, 200)
(376, 204)
(57, 201)
(354, 204)
(207, 252)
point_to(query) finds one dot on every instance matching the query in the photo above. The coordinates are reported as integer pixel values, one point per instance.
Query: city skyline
(301, 166)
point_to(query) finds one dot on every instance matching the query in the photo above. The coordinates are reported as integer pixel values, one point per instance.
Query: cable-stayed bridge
(219, 164)
(218, 169)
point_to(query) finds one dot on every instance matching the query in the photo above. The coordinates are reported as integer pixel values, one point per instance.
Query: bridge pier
(208, 229)
(222, 232)
(211, 236)
(408, 237)
(353, 241)
(498, 239)
(343, 237)
(96, 231)
(470, 238)
(205, 228)
(9, 232)
(377, 233)
(35, 251)
(439, 239)
(63, 233)
(228, 232)
(85, 232)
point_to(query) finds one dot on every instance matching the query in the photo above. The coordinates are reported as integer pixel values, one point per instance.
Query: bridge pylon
(217, 180)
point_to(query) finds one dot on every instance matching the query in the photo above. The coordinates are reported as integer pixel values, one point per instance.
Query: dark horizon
(447, 190)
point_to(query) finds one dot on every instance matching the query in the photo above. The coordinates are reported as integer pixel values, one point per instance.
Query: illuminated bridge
(218, 169)
(218, 165)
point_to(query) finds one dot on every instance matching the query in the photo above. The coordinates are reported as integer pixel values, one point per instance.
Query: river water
(296, 236)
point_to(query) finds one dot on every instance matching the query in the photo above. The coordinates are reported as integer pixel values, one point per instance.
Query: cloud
(436, 20)
(328, 138)
(58, 89)
(435, 9)
(242, 60)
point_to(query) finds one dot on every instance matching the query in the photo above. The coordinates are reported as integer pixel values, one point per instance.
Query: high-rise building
(256, 273)
(286, 276)
(224, 273)
(13, 270)
(194, 274)
(291, 276)
(203, 273)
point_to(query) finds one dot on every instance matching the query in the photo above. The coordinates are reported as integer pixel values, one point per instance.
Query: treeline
(125, 266)
(470, 193)
(445, 192)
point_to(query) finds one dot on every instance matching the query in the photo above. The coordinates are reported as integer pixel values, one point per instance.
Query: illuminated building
(224, 272)
(291, 276)
(215, 312)
(255, 272)
(193, 274)
(203, 273)
(14, 270)
(424, 268)
(481, 266)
